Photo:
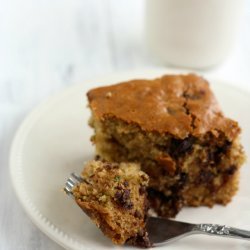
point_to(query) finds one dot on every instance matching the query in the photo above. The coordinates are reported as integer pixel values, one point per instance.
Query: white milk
(192, 33)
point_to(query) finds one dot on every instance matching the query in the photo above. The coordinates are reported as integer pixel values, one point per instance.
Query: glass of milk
(192, 33)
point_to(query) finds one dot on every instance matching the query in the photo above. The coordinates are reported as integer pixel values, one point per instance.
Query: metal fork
(163, 230)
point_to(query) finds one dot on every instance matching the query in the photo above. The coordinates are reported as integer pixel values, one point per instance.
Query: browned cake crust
(181, 105)
(174, 127)
(114, 197)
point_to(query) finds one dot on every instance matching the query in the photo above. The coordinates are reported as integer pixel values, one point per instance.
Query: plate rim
(26, 125)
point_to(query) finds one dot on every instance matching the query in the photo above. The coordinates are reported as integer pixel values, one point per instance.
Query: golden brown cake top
(181, 105)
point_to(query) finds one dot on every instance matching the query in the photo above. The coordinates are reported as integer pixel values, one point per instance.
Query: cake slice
(114, 197)
(174, 127)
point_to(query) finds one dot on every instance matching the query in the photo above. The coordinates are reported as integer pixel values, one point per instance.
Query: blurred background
(48, 45)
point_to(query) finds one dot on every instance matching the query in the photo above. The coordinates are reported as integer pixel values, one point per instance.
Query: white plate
(53, 141)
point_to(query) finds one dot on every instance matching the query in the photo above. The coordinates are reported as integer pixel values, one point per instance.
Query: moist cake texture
(174, 127)
(114, 197)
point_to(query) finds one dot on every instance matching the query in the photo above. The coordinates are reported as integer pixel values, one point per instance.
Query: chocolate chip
(223, 149)
(125, 183)
(142, 190)
(159, 201)
(97, 157)
(128, 205)
(214, 156)
(205, 177)
(117, 236)
(180, 147)
(153, 193)
(231, 170)
(183, 179)
(210, 157)
(140, 240)
(118, 195)
(119, 187)
(123, 199)
(185, 146)
(126, 194)
(107, 166)
(137, 214)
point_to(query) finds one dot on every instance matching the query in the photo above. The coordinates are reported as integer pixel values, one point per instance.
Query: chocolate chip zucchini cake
(114, 196)
(174, 127)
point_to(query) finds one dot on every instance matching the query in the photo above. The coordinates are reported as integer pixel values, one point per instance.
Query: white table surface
(48, 45)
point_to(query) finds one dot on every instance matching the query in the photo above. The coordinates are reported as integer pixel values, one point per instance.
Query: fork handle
(221, 230)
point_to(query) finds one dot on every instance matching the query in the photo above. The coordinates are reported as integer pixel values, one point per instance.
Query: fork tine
(77, 177)
(71, 182)
(67, 189)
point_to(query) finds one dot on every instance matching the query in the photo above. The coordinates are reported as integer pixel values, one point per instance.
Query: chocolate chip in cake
(118, 195)
(97, 157)
(142, 190)
(107, 166)
(215, 156)
(159, 201)
(128, 205)
(223, 149)
(231, 170)
(141, 240)
(125, 183)
(122, 198)
(180, 147)
(119, 187)
(126, 194)
(183, 179)
(137, 214)
(205, 176)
